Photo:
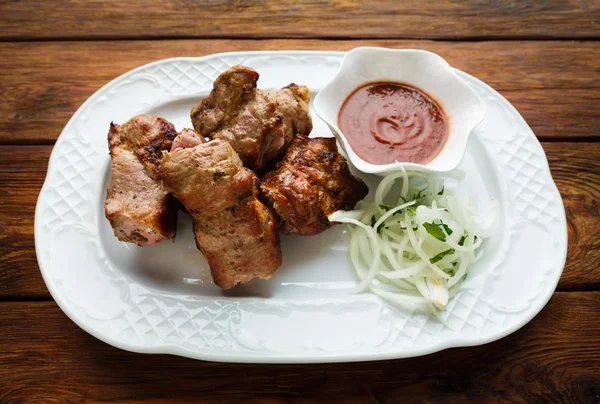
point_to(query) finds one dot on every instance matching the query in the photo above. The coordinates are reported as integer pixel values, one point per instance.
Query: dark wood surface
(544, 56)
(447, 19)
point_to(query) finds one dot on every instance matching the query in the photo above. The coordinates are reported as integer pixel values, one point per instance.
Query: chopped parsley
(441, 255)
(438, 229)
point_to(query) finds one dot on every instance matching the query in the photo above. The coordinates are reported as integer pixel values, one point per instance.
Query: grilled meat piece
(207, 178)
(233, 229)
(230, 91)
(292, 101)
(148, 136)
(240, 243)
(309, 184)
(236, 111)
(138, 209)
(187, 138)
(256, 132)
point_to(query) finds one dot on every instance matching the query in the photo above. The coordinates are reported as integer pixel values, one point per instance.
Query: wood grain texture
(555, 358)
(553, 84)
(440, 19)
(576, 172)
(575, 168)
(22, 173)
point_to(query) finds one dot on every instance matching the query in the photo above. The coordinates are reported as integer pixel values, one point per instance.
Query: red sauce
(385, 122)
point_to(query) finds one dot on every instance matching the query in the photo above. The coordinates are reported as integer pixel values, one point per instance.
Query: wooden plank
(576, 172)
(553, 84)
(442, 19)
(575, 167)
(554, 358)
(22, 173)
(559, 114)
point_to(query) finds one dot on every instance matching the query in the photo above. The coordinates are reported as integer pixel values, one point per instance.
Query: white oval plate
(160, 299)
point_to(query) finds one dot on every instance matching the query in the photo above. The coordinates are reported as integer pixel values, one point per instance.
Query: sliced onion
(404, 265)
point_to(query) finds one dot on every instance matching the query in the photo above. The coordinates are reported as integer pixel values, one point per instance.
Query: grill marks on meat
(233, 229)
(148, 136)
(138, 209)
(236, 111)
(309, 184)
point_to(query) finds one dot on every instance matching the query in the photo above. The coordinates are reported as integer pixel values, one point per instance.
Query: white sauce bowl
(423, 70)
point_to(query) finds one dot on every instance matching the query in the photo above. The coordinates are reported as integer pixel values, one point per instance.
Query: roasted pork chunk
(240, 243)
(207, 178)
(309, 184)
(292, 101)
(258, 126)
(138, 209)
(233, 229)
(148, 136)
(187, 138)
(230, 91)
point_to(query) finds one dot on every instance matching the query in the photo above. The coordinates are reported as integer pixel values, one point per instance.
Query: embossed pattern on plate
(160, 299)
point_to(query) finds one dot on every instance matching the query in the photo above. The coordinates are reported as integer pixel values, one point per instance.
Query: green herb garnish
(435, 230)
(441, 255)
(448, 229)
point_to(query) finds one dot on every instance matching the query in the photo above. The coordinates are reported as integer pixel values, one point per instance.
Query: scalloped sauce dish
(415, 76)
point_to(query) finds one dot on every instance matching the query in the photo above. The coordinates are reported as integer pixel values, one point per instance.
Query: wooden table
(543, 56)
